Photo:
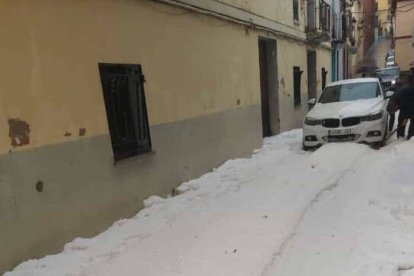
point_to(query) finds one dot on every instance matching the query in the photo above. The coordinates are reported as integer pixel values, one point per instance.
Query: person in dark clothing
(402, 122)
(394, 105)
(407, 108)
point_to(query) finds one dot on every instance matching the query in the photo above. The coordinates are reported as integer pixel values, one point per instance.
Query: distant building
(348, 38)
(404, 33)
(384, 22)
(357, 37)
(104, 103)
(370, 23)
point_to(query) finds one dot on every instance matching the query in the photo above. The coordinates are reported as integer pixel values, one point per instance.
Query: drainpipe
(345, 39)
(333, 56)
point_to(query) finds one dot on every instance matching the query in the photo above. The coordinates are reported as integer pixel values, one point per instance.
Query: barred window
(123, 91)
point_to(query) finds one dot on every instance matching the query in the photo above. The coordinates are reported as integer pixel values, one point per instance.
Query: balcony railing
(318, 21)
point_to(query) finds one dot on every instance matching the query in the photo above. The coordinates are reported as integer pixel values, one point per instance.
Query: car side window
(379, 93)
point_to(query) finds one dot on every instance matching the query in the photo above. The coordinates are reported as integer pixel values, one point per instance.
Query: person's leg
(411, 128)
(401, 125)
(391, 122)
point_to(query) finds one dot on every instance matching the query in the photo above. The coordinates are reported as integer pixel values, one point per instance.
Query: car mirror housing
(389, 94)
(312, 101)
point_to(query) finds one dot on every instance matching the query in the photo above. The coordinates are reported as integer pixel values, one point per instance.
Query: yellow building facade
(357, 57)
(203, 76)
(404, 34)
(383, 18)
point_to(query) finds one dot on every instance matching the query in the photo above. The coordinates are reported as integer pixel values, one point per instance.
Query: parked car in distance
(351, 110)
(389, 77)
(366, 71)
(390, 61)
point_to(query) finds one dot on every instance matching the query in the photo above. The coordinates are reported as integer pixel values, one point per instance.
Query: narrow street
(377, 53)
(207, 138)
(344, 209)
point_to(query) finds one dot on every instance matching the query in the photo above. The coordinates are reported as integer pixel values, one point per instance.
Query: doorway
(312, 93)
(269, 86)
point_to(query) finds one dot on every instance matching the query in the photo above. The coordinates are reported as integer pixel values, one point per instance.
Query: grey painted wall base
(85, 192)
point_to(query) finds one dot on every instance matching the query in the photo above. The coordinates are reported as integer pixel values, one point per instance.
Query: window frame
(126, 109)
(295, 9)
(324, 15)
(297, 83)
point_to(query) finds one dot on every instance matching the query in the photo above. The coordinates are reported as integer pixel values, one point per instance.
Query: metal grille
(386, 83)
(330, 123)
(324, 16)
(318, 16)
(123, 90)
(352, 121)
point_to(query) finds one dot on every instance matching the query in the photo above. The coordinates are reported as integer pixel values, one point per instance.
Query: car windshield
(388, 72)
(350, 92)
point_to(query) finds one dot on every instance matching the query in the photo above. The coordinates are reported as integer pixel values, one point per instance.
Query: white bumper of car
(364, 132)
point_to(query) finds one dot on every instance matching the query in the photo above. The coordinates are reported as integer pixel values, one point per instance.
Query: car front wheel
(383, 142)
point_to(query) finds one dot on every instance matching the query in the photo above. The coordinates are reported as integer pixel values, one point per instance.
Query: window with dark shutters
(297, 75)
(296, 10)
(324, 16)
(123, 91)
(324, 74)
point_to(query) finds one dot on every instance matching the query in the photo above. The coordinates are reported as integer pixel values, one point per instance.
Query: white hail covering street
(344, 209)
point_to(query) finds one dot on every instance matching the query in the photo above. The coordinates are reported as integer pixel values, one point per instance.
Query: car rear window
(388, 72)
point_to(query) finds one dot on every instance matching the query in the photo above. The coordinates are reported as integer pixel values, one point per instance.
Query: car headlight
(372, 117)
(393, 82)
(312, 122)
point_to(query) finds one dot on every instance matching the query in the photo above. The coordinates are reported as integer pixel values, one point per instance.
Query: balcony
(318, 26)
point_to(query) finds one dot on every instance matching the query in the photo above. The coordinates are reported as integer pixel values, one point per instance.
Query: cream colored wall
(295, 54)
(289, 55)
(277, 10)
(51, 80)
(358, 57)
(194, 65)
(203, 99)
(324, 59)
(404, 20)
(202, 75)
(404, 53)
(404, 49)
(382, 4)
(383, 11)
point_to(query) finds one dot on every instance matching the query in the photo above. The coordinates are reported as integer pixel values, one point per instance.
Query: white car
(349, 110)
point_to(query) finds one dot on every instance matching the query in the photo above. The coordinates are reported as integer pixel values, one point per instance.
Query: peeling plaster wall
(194, 65)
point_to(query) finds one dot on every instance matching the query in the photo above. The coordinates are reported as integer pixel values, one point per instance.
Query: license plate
(336, 132)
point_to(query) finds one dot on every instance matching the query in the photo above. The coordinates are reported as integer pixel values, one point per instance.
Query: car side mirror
(312, 101)
(389, 94)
